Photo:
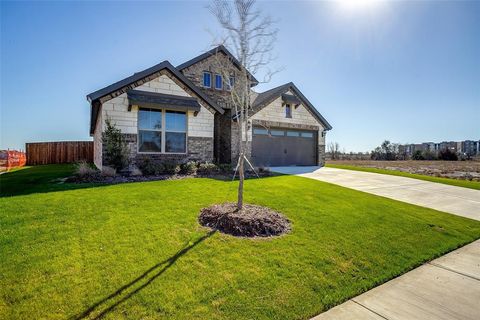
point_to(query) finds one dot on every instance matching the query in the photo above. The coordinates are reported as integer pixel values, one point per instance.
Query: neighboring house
(183, 113)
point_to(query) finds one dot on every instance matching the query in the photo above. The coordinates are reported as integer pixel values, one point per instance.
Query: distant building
(467, 148)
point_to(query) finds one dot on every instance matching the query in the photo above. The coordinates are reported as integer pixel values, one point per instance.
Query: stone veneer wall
(198, 149)
(273, 115)
(97, 143)
(199, 127)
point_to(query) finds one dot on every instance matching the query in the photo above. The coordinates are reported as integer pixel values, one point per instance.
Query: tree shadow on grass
(102, 307)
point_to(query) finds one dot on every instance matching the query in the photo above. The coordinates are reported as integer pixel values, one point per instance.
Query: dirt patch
(461, 170)
(251, 221)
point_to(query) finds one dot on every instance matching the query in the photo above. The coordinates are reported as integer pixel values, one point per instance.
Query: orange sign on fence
(11, 159)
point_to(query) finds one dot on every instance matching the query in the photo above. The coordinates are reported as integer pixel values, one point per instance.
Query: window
(162, 131)
(260, 131)
(149, 130)
(277, 132)
(293, 134)
(175, 131)
(306, 135)
(288, 111)
(231, 82)
(218, 82)
(207, 79)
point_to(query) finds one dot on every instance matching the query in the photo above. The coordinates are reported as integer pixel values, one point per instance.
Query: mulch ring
(251, 221)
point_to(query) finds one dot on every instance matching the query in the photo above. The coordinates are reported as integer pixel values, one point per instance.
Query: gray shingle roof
(94, 97)
(265, 98)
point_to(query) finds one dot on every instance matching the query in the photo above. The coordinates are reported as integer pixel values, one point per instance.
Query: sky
(407, 71)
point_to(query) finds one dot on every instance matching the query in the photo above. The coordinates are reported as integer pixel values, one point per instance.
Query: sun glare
(358, 4)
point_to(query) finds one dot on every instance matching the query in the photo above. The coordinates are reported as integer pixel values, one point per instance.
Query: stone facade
(211, 136)
(199, 125)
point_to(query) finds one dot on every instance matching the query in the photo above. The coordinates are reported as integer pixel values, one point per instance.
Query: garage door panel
(292, 148)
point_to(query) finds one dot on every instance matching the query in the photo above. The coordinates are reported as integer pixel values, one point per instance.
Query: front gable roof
(265, 98)
(98, 97)
(213, 52)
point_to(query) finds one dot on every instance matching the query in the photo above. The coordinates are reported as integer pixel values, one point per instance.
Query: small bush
(116, 149)
(189, 168)
(447, 155)
(136, 172)
(83, 169)
(171, 168)
(150, 168)
(418, 155)
(225, 168)
(108, 171)
(207, 168)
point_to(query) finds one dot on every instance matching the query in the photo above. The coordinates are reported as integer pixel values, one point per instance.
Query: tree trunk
(241, 177)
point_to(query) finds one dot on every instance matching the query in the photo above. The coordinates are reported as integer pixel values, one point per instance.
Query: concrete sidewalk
(445, 288)
(456, 200)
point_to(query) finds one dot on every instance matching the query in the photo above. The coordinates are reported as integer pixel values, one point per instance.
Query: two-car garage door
(284, 147)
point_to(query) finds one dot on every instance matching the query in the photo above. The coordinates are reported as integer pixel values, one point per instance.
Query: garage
(284, 147)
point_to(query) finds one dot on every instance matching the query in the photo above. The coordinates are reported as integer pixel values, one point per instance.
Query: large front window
(162, 131)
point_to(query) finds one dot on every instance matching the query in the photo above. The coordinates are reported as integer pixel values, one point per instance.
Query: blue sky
(408, 71)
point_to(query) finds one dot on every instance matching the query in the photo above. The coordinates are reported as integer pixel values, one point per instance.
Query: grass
(452, 182)
(135, 250)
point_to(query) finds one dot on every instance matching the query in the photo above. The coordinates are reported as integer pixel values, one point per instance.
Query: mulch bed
(251, 221)
(103, 179)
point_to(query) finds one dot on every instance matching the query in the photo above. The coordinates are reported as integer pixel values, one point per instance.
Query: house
(183, 113)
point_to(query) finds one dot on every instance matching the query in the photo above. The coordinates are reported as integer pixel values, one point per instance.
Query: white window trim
(163, 133)
(203, 79)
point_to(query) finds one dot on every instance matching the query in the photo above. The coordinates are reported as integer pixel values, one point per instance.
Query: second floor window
(231, 82)
(288, 111)
(207, 79)
(218, 82)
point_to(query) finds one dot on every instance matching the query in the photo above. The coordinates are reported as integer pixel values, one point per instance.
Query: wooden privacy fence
(59, 152)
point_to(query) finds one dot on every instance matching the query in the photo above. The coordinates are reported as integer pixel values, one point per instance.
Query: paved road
(445, 288)
(456, 200)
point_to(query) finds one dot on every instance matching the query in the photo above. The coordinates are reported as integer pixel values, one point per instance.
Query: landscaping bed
(136, 250)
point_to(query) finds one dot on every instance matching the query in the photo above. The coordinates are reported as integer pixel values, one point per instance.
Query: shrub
(115, 147)
(136, 172)
(225, 167)
(149, 167)
(207, 168)
(84, 171)
(108, 171)
(171, 168)
(448, 155)
(418, 155)
(190, 168)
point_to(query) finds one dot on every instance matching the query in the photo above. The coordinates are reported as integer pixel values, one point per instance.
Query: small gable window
(218, 82)
(231, 82)
(288, 111)
(207, 79)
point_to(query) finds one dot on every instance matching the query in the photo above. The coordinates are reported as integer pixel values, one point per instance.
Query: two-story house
(183, 113)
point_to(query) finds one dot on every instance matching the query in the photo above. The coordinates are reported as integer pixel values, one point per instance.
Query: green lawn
(453, 182)
(135, 250)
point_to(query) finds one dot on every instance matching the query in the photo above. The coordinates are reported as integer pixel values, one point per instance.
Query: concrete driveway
(456, 200)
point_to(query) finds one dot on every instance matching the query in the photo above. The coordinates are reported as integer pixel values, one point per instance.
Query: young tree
(116, 149)
(251, 36)
(334, 150)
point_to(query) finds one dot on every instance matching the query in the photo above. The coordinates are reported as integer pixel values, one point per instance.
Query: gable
(159, 78)
(267, 98)
(210, 55)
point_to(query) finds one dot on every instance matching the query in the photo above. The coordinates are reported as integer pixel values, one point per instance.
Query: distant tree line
(389, 151)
